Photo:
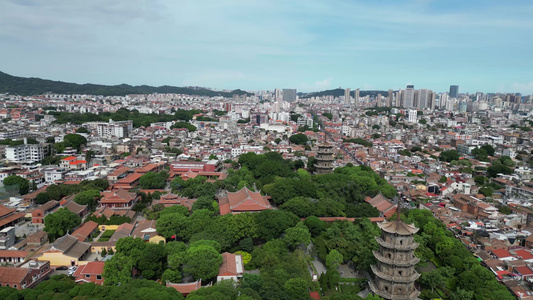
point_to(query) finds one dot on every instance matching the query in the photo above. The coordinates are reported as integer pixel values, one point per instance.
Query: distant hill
(36, 86)
(340, 92)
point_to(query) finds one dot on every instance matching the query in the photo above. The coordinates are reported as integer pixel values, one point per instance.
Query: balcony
(399, 279)
(391, 262)
(412, 246)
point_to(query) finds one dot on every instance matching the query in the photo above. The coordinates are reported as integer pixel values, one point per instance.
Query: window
(98, 277)
(401, 242)
(14, 285)
(87, 276)
(400, 273)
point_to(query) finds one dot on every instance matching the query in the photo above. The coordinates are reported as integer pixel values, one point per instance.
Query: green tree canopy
(202, 262)
(299, 139)
(60, 222)
(23, 183)
(153, 180)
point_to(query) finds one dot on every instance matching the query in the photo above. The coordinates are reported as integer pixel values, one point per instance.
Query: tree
(498, 168)
(443, 179)
(172, 224)
(82, 130)
(74, 140)
(153, 180)
(481, 180)
(117, 270)
(88, 197)
(432, 279)
(505, 210)
(299, 139)
(23, 184)
(315, 225)
(489, 149)
(272, 223)
(202, 262)
(205, 202)
(297, 288)
(152, 260)
(299, 206)
(296, 236)
(334, 259)
(449, 155)
(60, 222)
(42, 198)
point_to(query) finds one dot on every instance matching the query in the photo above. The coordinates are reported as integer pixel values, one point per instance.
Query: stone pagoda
(394, 274)
(324, 158)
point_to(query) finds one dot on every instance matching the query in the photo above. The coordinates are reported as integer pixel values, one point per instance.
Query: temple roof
(398, 227)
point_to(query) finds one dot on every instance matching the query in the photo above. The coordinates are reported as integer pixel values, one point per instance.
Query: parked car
(62, 268)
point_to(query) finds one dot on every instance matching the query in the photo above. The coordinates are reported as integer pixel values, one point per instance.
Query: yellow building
(66, 251)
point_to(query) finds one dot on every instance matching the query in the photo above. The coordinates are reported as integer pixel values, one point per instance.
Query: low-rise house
(91, 272)
(12, 257)
(37, 239)
(128, 182)
(85, 231)
(118, 199)
(9, 217)
(146, 230)
(385, 207)
(503, 254)
(243, 200)
(38, 214)
(25, 276)
(231, 268)
(171, 199)
(65, 251)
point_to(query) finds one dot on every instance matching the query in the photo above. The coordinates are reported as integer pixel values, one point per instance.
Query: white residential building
(25, 153)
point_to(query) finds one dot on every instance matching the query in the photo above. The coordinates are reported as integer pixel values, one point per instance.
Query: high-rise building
(378, 102)
(433, 96)
(454, 91)
(389, 98)
(356, 97)
(289, 95)
(423, 98)
(395, 274)
(409, 96)
(278, 95)
(347, 96)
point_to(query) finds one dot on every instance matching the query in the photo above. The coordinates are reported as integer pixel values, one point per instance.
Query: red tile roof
(524, 270)
(229, 265)
(11, 253)
(186, 288)
(92, 268)
(501, 253)
(246, 200)
(524, 254)
(85, 230)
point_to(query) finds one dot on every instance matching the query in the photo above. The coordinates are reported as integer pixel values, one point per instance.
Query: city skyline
(309, 46)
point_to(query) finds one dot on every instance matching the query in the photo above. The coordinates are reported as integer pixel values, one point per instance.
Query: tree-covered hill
(36, 86)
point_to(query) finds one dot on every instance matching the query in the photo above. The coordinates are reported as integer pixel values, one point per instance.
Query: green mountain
(340, 92)
(36, 86)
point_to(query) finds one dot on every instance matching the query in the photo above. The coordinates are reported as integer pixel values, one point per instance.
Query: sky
(310, 45)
